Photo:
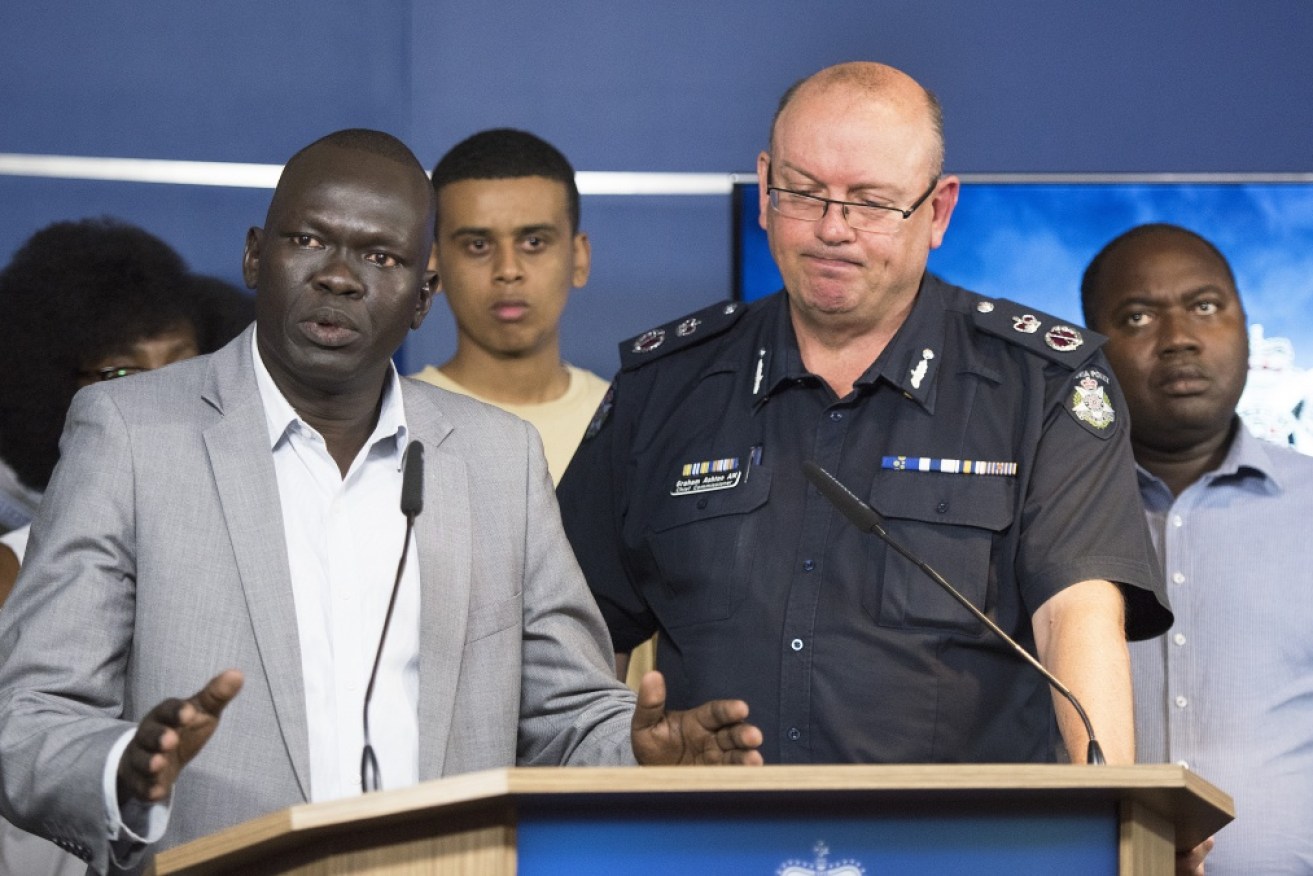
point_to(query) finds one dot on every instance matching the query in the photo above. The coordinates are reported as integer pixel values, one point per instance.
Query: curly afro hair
(74, 293)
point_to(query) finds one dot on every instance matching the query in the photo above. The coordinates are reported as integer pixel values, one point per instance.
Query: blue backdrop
(1032, 85)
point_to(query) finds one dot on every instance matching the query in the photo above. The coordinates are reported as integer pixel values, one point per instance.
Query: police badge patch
(1090, 403)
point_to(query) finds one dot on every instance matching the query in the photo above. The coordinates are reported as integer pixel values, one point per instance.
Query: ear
(428, 287)
(763, 180)
(942, 203)
(583, 260)
(435, 269)
(251, 256)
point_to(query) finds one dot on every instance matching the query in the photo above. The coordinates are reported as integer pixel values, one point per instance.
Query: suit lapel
(238, 447)
(443, 538)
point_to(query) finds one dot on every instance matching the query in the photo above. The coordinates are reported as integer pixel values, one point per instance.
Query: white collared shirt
(344, 541)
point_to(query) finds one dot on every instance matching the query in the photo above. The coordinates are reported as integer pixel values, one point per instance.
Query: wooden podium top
(1196, 807)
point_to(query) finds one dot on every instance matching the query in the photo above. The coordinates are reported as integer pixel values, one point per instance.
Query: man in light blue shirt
(1228, 691)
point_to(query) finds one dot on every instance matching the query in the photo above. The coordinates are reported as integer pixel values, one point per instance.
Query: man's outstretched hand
(170, 736)
(713, 733)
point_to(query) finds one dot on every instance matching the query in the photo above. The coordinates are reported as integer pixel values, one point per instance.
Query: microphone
(867, 519)
(412, 502)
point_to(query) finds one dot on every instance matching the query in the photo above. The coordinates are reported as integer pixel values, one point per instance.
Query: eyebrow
(1144, 299)
(483, 231)
(881, 189)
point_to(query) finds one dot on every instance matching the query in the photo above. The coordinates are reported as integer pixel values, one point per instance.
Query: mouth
(1184, 381)
(831, 262)
(327, 327)
(510, 311)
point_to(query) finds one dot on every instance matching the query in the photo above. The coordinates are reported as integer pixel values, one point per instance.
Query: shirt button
(702, 503)
(1178, 578)
(1183, 763)
(1179, 638)
(808, 565)
(1176, 520)
(1182, 702)
(836, 416)
(796, 644)
(795, 734)
(941, 507)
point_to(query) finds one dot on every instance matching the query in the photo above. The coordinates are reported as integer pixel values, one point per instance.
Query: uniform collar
(914, 357)
(773, 359)
(910, 363)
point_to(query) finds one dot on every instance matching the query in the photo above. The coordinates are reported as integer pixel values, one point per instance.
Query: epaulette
(679, 334)
(1043, 334)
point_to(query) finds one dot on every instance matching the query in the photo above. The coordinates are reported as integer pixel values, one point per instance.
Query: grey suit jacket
(158, 559)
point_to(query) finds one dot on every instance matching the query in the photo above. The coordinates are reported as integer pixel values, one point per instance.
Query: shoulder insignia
(687, 331)
(600, 416)
(1089, 403)
(1048, 336)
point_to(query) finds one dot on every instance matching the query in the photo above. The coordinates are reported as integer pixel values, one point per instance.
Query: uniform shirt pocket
(703, 546)
(950, 522)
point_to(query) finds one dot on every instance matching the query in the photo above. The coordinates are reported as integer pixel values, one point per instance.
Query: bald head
(365, 142)
(879, 82)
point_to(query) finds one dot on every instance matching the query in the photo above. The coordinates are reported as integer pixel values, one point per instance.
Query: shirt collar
(910, 362)
(915, 355)
(282, 418)
(1247, 456)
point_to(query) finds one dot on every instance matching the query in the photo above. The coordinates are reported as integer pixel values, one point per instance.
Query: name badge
(707, 476)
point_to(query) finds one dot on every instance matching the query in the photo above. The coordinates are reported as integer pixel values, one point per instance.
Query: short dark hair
(1090, 279)
(507, 153)
(74, 293)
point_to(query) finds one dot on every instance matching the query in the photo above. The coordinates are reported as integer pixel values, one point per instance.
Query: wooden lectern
(774, 821)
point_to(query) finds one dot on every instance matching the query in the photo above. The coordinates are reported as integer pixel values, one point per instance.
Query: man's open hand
(170, 736)
(713, 733)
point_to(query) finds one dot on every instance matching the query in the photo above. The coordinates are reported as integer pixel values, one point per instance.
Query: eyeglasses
(113, 372)
(873, 218)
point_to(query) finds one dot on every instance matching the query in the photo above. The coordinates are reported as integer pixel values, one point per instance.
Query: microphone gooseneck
(867, 519)
(412, 503)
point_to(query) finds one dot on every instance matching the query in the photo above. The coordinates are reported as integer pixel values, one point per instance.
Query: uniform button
(796, 644)
(795, 734)
(1178, 578)
(1176, 520)
(1179, 638)
(808, 565)
(702, 503)
(941, 507)
(836, 416)
(1182, 702)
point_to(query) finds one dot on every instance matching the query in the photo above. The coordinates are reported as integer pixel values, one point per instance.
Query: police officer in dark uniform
(991, 438)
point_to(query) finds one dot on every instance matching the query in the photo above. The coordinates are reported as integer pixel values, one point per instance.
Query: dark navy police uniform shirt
(991, 438)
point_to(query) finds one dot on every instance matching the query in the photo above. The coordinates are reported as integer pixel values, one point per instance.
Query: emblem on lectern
(820, 866)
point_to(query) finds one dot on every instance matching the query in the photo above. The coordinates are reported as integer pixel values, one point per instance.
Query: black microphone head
(860, 514)
(412, 479)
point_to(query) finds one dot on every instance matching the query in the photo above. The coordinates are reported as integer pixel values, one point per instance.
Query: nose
(833, 227)
(1176, 333)
(337, 277)
(506, 267)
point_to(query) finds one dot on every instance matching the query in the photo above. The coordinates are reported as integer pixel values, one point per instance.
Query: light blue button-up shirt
(1228, 690)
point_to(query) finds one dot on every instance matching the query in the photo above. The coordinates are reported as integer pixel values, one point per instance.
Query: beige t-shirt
(560, 423)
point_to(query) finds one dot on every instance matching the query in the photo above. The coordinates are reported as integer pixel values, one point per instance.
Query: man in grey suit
(239, 510)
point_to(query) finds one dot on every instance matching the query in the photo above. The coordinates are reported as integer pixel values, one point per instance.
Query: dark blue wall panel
(1030, 85)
